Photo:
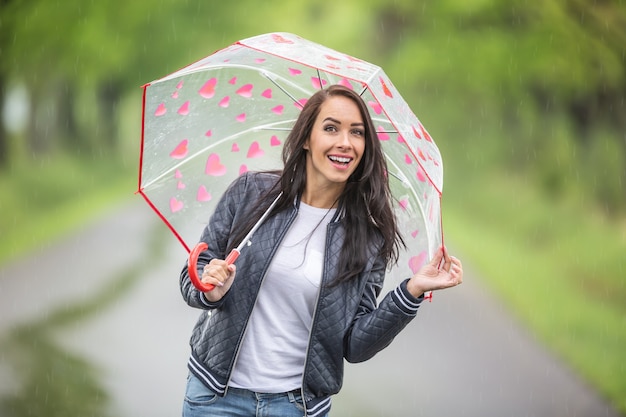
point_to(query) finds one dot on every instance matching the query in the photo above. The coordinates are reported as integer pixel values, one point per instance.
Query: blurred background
(526, 101)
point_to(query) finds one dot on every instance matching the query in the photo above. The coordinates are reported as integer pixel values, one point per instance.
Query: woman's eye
(358, 132)
(330, 128)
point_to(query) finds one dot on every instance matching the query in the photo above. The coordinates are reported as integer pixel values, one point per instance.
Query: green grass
(46, 198)
(559, 267)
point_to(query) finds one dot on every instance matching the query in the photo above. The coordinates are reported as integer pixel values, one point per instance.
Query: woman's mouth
(340, 160)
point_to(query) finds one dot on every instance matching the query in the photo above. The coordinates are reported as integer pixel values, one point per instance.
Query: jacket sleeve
(216, 235)
(374, 328)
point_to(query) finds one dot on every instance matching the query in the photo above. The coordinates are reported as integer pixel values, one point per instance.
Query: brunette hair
(364, 204)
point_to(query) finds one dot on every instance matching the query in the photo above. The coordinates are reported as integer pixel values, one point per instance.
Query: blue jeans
(202, 402)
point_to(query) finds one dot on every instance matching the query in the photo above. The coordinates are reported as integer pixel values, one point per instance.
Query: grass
(46, 198)
(559, 267)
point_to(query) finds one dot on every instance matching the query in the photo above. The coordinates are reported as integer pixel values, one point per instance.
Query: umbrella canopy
(230, 112)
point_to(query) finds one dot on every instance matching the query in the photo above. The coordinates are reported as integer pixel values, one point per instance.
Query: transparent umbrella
(230, 112)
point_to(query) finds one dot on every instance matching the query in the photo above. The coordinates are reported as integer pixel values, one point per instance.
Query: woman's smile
(341, 162)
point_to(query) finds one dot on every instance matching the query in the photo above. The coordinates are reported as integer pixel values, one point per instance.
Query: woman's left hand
(433, 277)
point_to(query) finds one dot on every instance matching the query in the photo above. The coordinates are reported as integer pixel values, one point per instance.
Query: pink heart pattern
(181, 150)
(416, 262)
(202, 194)
(176, 205)
(161, 110)
(378, 109)
(214, 166)
(208, 89)
(280, 39)
(255, 150)
(317, 83)
(184, 109)
(346, 83)
(386, 89)
(245, 91)
(421, 175)
(224, 102)
(382, 135)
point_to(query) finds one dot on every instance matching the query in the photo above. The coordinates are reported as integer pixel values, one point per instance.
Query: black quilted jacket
(346, 324)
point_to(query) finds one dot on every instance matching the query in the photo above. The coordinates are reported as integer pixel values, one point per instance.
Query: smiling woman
(313, 276)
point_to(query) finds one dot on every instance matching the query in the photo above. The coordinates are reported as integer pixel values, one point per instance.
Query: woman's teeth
(339, 159)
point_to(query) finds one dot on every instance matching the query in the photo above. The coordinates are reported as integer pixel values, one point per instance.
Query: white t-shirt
(273, 350)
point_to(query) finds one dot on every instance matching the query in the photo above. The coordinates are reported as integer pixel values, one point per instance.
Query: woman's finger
(214, 275)
(447, 261)
(436, 260)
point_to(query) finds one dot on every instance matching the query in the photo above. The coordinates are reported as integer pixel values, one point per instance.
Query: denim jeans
(202, 402)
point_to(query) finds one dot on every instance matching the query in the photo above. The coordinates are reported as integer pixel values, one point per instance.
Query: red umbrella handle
(192, 268)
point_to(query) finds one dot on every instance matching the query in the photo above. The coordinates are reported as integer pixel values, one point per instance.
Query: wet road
(463, 355)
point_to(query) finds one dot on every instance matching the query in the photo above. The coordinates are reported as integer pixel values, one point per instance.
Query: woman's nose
(344, 140)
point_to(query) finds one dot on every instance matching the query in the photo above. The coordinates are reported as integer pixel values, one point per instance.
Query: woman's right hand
(220, 274)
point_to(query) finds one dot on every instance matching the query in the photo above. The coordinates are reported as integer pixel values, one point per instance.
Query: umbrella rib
(283, 90)
(319, 77)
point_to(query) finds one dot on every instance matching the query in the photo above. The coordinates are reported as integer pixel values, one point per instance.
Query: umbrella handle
(192, 267)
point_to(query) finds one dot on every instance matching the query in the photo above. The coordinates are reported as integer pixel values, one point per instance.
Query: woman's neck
(320, 198)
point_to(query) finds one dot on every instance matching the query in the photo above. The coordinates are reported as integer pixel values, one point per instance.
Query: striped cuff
(405, 301)
(200, 372)
(208, 304)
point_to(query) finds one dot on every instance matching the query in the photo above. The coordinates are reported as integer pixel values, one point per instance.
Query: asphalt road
(463, 355)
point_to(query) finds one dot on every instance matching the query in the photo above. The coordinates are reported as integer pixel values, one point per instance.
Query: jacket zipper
(245, 329)
(317, 302)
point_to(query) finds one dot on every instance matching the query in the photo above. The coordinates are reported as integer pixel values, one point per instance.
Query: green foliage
(51, 196)
(549, 80)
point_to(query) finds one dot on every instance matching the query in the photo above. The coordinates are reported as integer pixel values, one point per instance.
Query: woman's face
(336, 144)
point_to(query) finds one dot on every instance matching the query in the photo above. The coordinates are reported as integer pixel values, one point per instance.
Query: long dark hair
(364, 204)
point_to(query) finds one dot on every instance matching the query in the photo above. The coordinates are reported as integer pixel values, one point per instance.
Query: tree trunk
(66, 118)
(4, 137)
(109, 96)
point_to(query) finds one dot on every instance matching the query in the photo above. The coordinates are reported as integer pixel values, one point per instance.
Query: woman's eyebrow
(338, 122)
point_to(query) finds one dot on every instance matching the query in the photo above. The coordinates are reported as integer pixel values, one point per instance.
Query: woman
(302, 297)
